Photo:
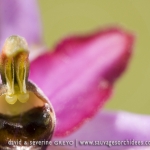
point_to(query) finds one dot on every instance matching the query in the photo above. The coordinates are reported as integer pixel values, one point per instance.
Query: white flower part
(36, 50)
(14, 44)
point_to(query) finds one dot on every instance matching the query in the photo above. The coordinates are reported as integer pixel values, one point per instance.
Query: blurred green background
(61, 18)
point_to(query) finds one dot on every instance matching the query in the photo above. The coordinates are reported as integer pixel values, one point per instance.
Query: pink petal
(78, 76)
(110, 126)
(21, 18)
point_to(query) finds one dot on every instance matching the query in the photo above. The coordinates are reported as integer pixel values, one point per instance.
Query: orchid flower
(78, 78)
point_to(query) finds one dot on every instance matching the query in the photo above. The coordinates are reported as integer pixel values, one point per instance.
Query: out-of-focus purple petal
(111, 126)
(78, 76)
(21, 18)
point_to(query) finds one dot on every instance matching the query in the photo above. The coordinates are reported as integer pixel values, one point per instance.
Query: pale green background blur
(63, 17)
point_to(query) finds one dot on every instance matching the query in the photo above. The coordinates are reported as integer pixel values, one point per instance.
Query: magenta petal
(21, 18)
(111, 126)
(78, 76)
